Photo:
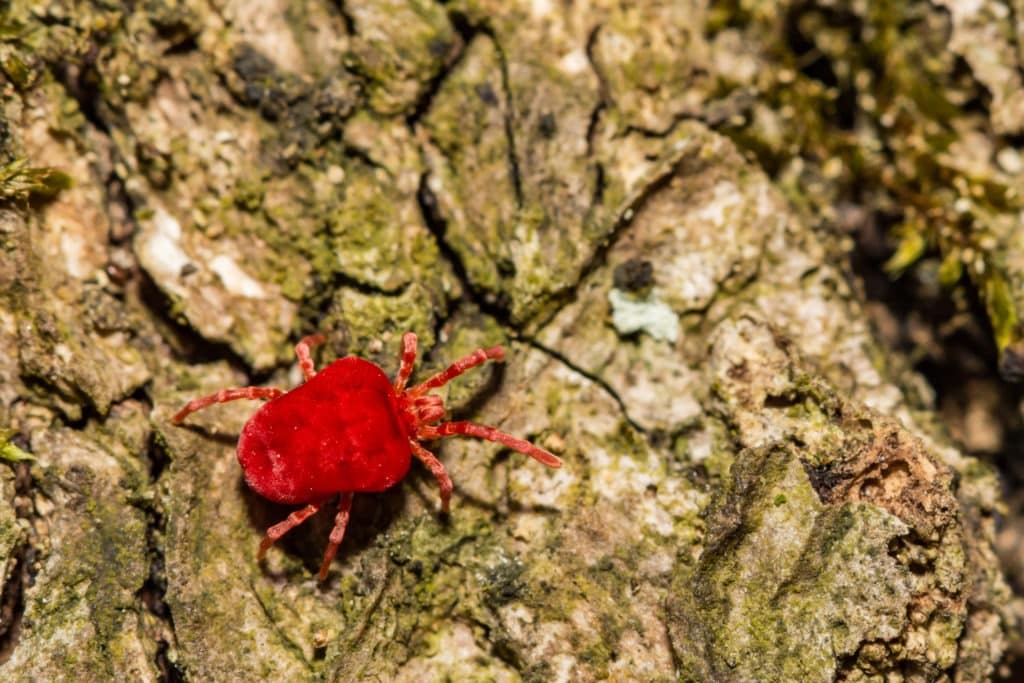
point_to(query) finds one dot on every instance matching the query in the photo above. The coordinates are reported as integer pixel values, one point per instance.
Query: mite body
(349, 429)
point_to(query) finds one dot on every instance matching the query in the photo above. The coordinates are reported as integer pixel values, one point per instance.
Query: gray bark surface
(641, 201)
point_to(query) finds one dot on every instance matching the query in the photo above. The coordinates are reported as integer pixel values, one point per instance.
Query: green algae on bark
(786, 586)
(12, 544)
(865, 560)
(82, 616)
(509, 121)
(744, 375)
(399, 46)
(9, 451)
(68, 326)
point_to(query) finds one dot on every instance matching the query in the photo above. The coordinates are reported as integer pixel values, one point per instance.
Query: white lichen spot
(63, 352)
(566, 376)
(574, 63)
(517, 619)
(540, 9)
(1009, 160)
(543, 487)
(335, 174)
(657, 564)
(527, 527)
(724, 197)
(648, 315)
(657, 518)
(658, 392)
(700, 446)
(235, 280)
(966, 9)
(634, 176)
(693, 277)
(73, 247)
(456, 656)
(158, 246)
(563, 666)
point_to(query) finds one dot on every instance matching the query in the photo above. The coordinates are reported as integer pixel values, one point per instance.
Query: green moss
(911, 247)
(889, 68)
(1001, 309)
(9, 451)
(18, 180)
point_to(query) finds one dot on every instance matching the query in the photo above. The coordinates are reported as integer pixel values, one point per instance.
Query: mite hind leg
(337, 533)
(223, 396)
(281, 528)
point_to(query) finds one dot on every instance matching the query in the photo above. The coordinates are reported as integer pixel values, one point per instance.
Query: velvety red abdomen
(338, 432)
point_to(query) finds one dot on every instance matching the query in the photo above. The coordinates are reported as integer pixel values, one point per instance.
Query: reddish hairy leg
(426, 432)
(457, 368)
(437, 469)
(223, 396)
(337, 533)
(408, 359)
(281, 528)
(302, 351)
(298, 517)
(491, 434)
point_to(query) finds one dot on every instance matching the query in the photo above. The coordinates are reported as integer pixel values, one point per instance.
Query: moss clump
(9, 451)
(19, 181)
(872, 104)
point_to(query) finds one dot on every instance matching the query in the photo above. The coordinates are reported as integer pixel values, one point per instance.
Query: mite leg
(458, 367)
(223, 396)
(408, 360)
(491, 434)
(337, 533)
(302, 351)
(281, 528)
(437, 469)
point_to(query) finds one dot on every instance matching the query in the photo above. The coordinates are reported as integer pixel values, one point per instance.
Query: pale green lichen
(649, 315)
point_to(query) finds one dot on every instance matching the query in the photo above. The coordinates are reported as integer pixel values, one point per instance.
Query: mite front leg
(458, 367)
(302, 351)
(437, 469)
(491, 434)
(337, 533)
(223, 396)
(408, 359)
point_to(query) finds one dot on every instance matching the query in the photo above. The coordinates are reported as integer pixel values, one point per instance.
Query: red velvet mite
(348, 429)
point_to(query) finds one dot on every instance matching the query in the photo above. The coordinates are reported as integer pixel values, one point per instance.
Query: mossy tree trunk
(637, 199)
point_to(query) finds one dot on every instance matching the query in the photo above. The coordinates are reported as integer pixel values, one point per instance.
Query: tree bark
(638, 200)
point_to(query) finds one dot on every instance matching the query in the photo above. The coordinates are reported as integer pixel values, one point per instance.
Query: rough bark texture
(645, 201)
